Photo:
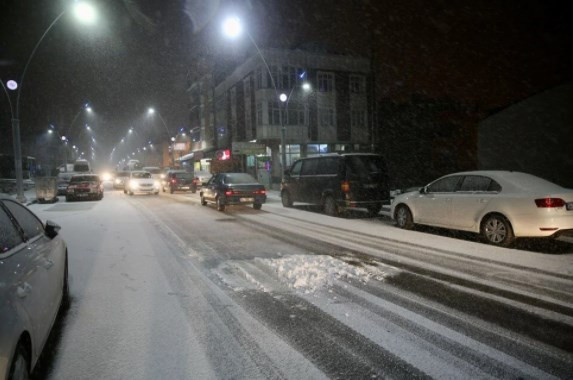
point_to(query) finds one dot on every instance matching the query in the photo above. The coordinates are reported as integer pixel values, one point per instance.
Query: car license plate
(185, 187)
(570, 206)
(246, 199)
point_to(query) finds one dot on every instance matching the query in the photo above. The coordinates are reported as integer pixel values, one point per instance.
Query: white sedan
(501, 205)
(33, 287)
(140, 181)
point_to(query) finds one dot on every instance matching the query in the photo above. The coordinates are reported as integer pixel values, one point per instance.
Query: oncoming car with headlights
(120, 179)
(141, 182)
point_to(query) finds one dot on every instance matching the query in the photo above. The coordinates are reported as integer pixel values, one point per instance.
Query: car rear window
(183, 175)
(238, 178)
(85, 178)
(140, 175)
(365, 168)
(81, 168)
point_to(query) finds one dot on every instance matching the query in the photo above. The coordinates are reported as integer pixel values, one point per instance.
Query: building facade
(326, 107)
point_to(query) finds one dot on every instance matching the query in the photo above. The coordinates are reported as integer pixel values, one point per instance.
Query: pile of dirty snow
(308, 273)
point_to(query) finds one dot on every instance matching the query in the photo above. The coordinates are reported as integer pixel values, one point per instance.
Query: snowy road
(165, 288)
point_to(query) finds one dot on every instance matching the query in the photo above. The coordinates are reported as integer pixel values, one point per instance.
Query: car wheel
(257, 206)
(403, 217)
(125, 191)
(374, 210)
(497, 230)
(203, 201)
(20, 368)
(286, 199)
(330, 206)
(220, 204)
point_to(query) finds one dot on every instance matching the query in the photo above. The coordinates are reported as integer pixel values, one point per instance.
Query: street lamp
(232, 28)
(151, 111)
(84, 13)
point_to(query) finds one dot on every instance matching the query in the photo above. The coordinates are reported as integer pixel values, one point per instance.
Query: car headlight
(156, 184)
(117, 181)
(106, 176)
(162, 176)
(132, 184)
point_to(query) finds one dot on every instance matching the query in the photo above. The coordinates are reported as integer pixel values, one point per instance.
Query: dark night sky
(141, 52)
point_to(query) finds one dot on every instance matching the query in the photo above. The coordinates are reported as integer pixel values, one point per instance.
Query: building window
(315, 149)
(296, 114)
(357, 118)
(357, 84)
(286, 77)
(274, 113)
(326, 117)
(259, 78)
(259, 114)
(292, 153)
(325, 82)
(247, 85)
(248, 119)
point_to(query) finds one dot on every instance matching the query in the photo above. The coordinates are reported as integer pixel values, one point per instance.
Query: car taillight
(550, 202)
(345, 186)
(231, 192)
(261, 192)
(173, 180)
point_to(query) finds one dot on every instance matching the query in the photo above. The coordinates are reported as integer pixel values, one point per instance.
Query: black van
(337, 182)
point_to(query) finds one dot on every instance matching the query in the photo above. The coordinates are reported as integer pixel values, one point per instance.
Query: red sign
(223, 155)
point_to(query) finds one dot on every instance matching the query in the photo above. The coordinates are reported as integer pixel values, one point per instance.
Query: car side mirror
(424, 190)
(52, 229)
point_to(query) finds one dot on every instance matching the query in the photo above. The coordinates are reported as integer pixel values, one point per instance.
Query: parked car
(120, 179)
(33, 288)
(63, 182)
(501, 205)
(227, 189)
(181, 181)
(84, 186)
(337, 182)
(141, 182)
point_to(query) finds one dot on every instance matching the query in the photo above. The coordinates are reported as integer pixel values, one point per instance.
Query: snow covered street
(163, 287)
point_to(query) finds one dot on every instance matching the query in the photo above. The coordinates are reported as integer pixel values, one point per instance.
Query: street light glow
(151, 111)
(232, 27)
(306, 86)
(63, 138)
(173, 139)
(85, 12)
(50, 131)
(12, 85)
(283, 97)
(89, 109)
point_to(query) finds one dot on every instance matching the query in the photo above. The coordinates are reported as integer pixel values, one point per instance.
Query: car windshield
(391, 193)
(184, 175)
(84, 178)
(140, 175)
(238, 178)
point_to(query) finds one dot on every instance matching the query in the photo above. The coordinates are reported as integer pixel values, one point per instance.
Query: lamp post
(232, 28)
(150, 112)
(85, 13)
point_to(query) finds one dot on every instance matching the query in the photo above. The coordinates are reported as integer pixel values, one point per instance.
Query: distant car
(181, 181)
(501, 205)
(120, 179)
(84, 186)
(155, 172)
(202, 177)
(227, 189)
(141, 182)
(63, 182)
(82, 166)
(33, 288)
(165, 177)
(337, 182)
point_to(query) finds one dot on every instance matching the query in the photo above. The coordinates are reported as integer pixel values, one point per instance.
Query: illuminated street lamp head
(12, 85)
(306, 86)
(232, 27)
(173, 139)
(122, 140)
(85, 13)
(283, 97)
(130, 130)
(150, 111)
(64, 138)
(50, 131)
(88, 127)
(89, 109)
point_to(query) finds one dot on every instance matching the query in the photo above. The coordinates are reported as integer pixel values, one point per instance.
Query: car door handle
(23, 290)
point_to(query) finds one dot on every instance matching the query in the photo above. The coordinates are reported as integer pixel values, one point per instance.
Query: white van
(82, 166)
(154, 170)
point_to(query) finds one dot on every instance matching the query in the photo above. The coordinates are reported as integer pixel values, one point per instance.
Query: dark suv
(337, 182)
(181, 181)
